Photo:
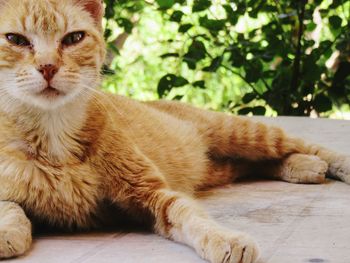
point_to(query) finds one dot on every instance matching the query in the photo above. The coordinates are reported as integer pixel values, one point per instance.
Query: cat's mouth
(50, 92)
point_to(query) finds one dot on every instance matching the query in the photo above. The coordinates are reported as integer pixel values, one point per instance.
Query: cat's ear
(94, 7)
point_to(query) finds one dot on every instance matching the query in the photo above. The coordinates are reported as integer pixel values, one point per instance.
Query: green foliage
(170, 81)
(247, 56)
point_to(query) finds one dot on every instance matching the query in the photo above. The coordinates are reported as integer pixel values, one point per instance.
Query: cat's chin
(50, 99)
(46, 99)
(51, 93)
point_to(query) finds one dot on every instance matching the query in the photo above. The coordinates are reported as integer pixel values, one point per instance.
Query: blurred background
(248, 57)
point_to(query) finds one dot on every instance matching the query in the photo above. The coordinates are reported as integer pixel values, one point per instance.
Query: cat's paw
(228, 247)
(13, 244)
(340, 168)
(303, 168)
(15, 230)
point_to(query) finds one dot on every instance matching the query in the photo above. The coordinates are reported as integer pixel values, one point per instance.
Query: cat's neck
(53, 128)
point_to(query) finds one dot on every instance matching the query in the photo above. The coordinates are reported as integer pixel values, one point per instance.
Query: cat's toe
(230, 248)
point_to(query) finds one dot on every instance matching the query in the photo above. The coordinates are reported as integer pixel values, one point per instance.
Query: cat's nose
(48, 71)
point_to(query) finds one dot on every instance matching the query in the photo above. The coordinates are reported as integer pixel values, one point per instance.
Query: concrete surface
(292, 223)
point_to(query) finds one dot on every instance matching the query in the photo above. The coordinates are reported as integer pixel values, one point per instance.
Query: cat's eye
(17, 40)
(73, 38)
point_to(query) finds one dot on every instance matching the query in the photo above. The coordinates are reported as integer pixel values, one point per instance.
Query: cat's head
(51, 51)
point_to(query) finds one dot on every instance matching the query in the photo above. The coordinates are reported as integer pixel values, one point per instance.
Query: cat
(67, 149)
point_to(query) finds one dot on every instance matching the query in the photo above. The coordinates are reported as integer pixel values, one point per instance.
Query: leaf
(109, 11)
(165, 84)
(322, 103)
(282, 81)
(212, 24)
(248, 97)
(167, 55)
(311, 70)
(267, 56)
(176, 16)
(259, 110)
(185, 27)
(126, 24)
(215, 64)
(336, 3)
(236, 57)
(241, 7)
(311, 26)
(191, 63)
(270, 9)
(253, 71)
(309, 43)
(106, 70)
(180, 81)
(232, 16)
(108, 32)
(245, 111)
(200, 5)
(199, 84)
(342, 72)
(178, 97)
(269, 74)
(168, 82)
(339, 88)
(196, 52)
(335, 21)
(342, 45)
(165, 4)
(326, 44)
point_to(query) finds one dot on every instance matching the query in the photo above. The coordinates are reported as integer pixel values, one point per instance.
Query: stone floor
(292, 223)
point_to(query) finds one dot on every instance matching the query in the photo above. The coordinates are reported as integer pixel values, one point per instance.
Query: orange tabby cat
(67, 149)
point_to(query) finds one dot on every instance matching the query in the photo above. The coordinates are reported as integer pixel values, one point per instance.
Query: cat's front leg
(15, 230)
(135, 183)
(179, 218)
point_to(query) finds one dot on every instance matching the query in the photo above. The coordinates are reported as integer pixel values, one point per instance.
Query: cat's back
(143, 120)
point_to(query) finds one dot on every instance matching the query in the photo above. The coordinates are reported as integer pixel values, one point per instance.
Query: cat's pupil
(17, 39)
(73, 38)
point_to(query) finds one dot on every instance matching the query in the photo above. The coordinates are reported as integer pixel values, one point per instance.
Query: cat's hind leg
(15, 230)
(240, 138)
(295, 168)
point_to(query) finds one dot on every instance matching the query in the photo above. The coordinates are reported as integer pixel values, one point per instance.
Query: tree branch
(244, 79)
(297, 60)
